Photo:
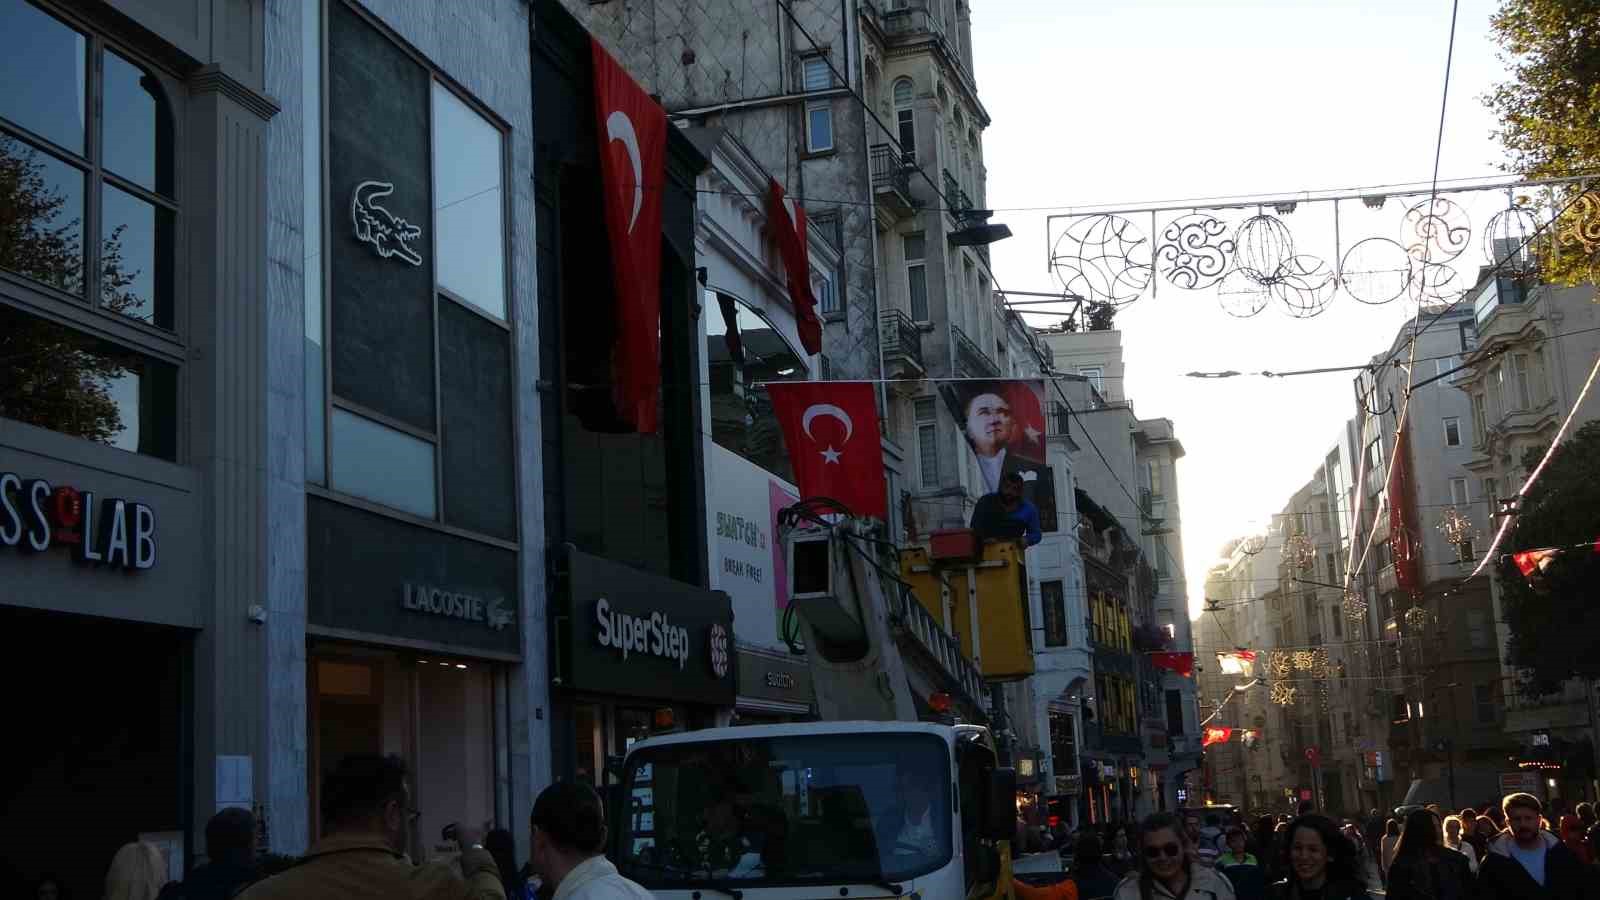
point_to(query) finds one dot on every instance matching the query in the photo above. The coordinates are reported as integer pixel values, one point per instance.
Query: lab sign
(36, 515)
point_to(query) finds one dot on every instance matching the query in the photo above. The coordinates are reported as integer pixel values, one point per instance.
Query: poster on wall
(747, 560)
(1002, 422)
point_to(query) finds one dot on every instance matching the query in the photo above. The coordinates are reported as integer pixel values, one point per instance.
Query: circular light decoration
(1283, 694)
(1253, 544)
(1437, 282)
(1241, 296)
(1194, 251)
(1261, 245)
(1416, 619)
(1355, 605)
(1299, 552)
(1580, 224)
(1376, 271)
(1304, 659)
(1306, 286)
(1435, 231)
(1508, 239)
(1280, 663)
(1102, 258)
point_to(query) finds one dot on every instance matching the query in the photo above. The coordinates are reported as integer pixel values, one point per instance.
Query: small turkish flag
(1216, 734)
(1530, 561)
(1179, 663)
(787, 220)
(1236, 662)
(831, 430)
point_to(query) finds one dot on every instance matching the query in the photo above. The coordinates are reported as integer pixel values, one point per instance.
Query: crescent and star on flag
(829, 455)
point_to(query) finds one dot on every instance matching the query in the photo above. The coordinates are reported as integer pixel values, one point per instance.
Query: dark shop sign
(633, 633)
(36, 515)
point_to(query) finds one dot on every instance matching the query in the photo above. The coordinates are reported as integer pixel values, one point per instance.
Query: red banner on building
(632, 132)
(1179, 663)
(787, 219)
(831, 431)
(1215, 734)
(1403, 542)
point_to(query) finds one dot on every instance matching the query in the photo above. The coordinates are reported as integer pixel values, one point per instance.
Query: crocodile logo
(389, 235)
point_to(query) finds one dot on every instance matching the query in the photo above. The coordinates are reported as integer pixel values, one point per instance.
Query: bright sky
(1137, 100)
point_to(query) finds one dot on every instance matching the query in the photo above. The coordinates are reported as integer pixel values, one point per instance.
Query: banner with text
(747, 561)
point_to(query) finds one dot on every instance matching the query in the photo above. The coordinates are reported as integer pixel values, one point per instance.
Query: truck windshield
(786, 810)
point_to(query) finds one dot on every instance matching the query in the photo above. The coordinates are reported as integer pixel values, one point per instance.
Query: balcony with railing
(971, 361)
(902, 343)
(956, 200)
(908, 19)
(891, 183)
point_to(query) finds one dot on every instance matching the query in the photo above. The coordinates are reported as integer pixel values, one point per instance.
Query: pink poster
(779, 499)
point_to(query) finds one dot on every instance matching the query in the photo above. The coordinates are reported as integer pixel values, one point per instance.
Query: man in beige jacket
(366, 804)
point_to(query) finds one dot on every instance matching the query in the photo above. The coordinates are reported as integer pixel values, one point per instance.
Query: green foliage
(1549, 110)
(1553, 629)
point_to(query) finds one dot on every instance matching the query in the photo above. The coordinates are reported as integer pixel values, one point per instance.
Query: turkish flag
(787, 219)
(633, 153)
(1236, 662)
(831, 430)
(1215, 734)
(1179, 663)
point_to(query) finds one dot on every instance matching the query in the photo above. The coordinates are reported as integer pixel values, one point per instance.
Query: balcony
(908, 19)
(891, 184)
(902, 344)
(971, 361)
(956, 199)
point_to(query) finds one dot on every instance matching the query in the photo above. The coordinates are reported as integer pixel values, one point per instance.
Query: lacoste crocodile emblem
(389, 235)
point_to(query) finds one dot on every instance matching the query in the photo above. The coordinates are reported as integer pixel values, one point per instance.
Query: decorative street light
(1299, 552)
(1459, 531)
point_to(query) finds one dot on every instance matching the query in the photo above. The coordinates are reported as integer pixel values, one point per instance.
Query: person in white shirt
(569, 839)
(1452, 839)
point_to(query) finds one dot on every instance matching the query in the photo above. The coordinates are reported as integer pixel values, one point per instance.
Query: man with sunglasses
(1168, 869)
(367, 808)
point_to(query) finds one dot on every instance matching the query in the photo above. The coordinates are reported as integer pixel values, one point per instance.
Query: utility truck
(891, 795)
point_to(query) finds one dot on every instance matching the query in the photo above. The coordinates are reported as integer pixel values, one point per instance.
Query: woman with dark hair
(1321, 863)
(1425, 869)
(1168, 869)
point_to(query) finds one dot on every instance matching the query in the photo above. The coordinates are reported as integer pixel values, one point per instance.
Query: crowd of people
(1505, 852)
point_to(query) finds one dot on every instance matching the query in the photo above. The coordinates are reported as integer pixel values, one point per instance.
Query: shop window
(383, 464)
(744, 348)
(56, 377)
(1052, 597)
(468, 204)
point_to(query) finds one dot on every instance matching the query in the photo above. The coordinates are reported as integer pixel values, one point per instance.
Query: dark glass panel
(42, 67)
(41, 216)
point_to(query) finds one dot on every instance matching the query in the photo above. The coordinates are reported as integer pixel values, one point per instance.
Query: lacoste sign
(421, 598)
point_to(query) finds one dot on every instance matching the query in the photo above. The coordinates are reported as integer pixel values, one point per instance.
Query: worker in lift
(1006, 515)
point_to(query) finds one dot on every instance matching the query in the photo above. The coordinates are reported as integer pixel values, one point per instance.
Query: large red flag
(831, 430)
(633, 153)
(1215, 734)
(1178, 663)
(787, 219)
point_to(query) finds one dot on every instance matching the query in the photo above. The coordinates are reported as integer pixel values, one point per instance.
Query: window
(905, 120)
(1491, 496)
(1497, 383)
(1483, 703)
(405, 477)
(1469, 336)
(1052, 598)
(1458, 492)
(819, 126)
(311, 283)
(1480, 419)
(1095, 375)
(916, 276)
(1337, 620)
(1452, 431)
(927, 417)
(815, 74)
(1524, 377)
(88, 210)
(742, 419)
(1477, 629)
(1152, 477)
(1331, 561)
(468, 204)
(1159, 543)
(827, 294)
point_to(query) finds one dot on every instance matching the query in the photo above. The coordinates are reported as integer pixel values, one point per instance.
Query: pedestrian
(138, 872)
(1526, 862)
(1168, 869)
(1585, 811)
(49, 888)
(1238, 853)
(1121, 857)
(1242, 867)
(1320, 863)
(230, 857)
(1424, 869)
(366, 805)
(1095, 880)
(1594, 844)
(1572, 835)
(1386, 847)
(1454, 840)
(503, 847)
(569, 839)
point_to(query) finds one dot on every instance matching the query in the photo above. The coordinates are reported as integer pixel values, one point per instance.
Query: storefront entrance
(435, 712)
(95, 753)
